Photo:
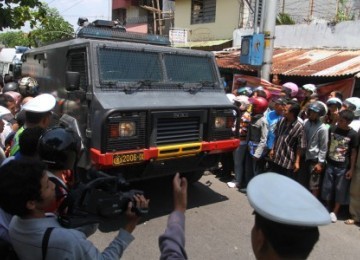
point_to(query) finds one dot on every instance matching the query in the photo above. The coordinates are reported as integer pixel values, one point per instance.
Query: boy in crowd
(256, 139)
(290, 141)
(272, 118)
(341, 159)
(239, 153)
(317, 144)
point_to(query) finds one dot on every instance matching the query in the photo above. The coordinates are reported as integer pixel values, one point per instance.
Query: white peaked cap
(40, 104)
(281, 199)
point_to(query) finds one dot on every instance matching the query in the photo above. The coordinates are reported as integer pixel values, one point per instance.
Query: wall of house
(226, 20)
(136, 19)
(301, 12)
(344, 35)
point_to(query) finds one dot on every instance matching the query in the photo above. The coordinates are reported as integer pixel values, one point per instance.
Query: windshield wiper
(138, 85)
(199, 86)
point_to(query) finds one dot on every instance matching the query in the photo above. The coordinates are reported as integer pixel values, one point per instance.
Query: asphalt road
(218, 225)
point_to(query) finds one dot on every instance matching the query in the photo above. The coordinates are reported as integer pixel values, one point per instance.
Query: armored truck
(144, 109)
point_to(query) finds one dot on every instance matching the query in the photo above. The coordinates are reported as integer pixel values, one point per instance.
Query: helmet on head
(290, 88)
(243, 101)
(245, 91)
(231, 97)
(268, 94)
(15, 95)
(334, 101)
(310, 87)
(259, 105)
(11, 86)
(28, 87)
(353, 103)
(260, 92)
(318, 107)
(59, 148)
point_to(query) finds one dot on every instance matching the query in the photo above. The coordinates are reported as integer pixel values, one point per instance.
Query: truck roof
(113, 43)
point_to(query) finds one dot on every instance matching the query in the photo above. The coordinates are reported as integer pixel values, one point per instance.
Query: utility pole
(283, 7)
(110, 10)
(269, 15)
(311, 10)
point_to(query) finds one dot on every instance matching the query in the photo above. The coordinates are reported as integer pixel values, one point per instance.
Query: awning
(201, 44)
(301, 62)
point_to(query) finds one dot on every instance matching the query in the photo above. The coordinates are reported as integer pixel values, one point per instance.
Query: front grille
(178, 130)
(129, 143)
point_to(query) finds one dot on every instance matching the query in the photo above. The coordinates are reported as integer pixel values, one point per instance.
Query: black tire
(194, 176)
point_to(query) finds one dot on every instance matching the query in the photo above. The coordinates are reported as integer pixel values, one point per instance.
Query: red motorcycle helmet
(259, 105)
(268, 94)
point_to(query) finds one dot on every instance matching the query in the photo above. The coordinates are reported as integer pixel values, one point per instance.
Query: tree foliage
(14, 13)
(52, 28)
(14, 38)
(284, 18)
(344, 11)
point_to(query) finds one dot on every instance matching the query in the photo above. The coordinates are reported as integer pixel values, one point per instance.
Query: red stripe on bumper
(106, 159)
(220, 146)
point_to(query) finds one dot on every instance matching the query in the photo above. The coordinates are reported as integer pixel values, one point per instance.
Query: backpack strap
(45, 241)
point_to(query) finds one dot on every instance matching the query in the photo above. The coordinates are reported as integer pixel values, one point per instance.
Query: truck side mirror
(72, 80)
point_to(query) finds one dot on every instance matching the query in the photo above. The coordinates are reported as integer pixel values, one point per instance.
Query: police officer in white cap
(37, 113)
(287, 217)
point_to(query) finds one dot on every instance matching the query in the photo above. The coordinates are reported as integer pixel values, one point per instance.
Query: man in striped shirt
(290, 142)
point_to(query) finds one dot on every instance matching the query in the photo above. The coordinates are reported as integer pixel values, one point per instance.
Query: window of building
(203, 11)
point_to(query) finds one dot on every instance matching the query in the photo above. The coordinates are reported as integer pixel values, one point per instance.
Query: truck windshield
(121, 66)
(189, 69)
(128, 66)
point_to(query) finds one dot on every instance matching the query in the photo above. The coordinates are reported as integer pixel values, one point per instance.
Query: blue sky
(72, 10)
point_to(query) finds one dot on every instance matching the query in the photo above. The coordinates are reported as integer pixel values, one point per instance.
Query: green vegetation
(14, 13)
(284, 18)
(52, 28)
(48, 29)
(14, 38)
(344, 12)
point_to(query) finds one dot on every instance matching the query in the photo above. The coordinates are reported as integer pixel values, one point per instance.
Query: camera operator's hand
(132, 217)
(180, 193)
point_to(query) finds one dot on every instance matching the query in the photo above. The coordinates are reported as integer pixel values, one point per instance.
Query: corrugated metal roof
(301, 62)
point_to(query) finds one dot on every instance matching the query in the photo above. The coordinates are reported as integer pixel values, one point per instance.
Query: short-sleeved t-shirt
(341, 143)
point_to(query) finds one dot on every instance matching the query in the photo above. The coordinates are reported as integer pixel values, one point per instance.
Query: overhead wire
(67, 9)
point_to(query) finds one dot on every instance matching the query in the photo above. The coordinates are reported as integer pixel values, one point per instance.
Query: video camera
(102, 196)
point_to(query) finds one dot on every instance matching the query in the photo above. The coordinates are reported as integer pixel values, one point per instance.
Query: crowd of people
(309, 145)
(38, 161)
(311, 141)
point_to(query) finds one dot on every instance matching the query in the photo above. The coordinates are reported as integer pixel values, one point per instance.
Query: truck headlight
(127, 129)
(122, 129)
(220, 122)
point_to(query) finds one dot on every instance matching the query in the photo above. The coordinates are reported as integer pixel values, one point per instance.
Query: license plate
(127, 158)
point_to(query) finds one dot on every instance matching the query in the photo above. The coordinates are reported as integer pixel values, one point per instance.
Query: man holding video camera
(35, 188)
(26, 192)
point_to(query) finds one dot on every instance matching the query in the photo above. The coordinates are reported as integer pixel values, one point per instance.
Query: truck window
(77, 62)
(128, 66)
(180, 68)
